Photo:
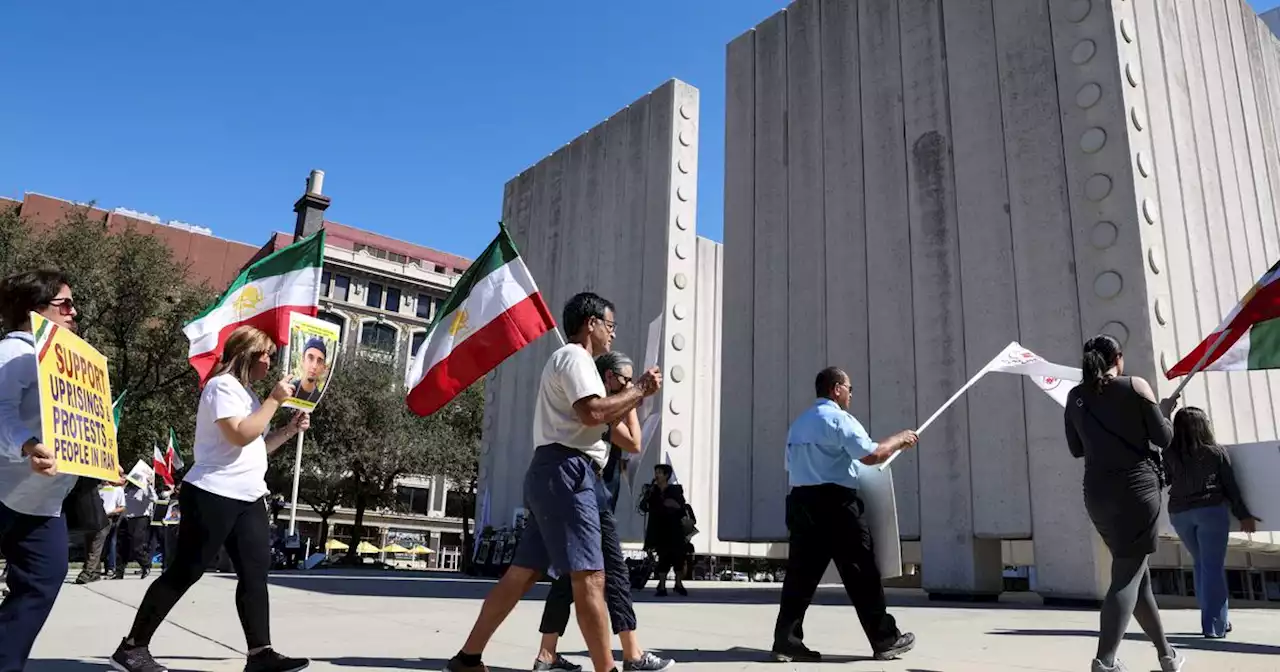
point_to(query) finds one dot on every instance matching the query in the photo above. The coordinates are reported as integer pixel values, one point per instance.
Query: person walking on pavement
(616, 370)
(667, 515)
(1111, 422)
(223, 501)
(826, 449)
(135, 530)
(113, 505)
(563, 534)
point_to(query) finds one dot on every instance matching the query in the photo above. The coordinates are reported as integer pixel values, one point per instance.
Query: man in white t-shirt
(570, 417)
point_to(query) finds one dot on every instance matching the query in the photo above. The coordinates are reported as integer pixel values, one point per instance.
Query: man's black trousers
(825, 524)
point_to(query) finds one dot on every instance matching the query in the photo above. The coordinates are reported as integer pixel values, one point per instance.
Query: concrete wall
(611, 212)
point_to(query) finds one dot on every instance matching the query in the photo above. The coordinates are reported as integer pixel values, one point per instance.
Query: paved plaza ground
(370, 621)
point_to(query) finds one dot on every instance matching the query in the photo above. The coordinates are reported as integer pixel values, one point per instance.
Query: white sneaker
(1099, 666)
(1173, 663)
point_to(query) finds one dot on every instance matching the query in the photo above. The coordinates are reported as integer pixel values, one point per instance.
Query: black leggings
(208, 522)
(1130, 595)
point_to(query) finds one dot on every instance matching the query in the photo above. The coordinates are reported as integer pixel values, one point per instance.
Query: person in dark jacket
(1111, 421)
(664, 532)
(1203, 495)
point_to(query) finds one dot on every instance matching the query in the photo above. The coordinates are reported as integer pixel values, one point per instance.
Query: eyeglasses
(65, 306)
(611, 326)
(625, 380)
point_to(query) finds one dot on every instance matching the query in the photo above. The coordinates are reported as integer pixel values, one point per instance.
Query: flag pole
(972, 381)
(1200, 364)
(502, 227)
(297, 470)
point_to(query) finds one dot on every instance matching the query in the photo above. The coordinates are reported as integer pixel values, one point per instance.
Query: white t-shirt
(222, 467)
(112, 498)
(570, 375)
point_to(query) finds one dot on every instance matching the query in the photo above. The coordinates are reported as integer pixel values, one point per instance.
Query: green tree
(133, 298)
(455, 454)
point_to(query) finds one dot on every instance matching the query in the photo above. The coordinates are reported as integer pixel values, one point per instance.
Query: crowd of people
(585, 428)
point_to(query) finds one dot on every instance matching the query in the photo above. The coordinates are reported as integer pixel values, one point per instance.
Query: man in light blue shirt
(826, 447)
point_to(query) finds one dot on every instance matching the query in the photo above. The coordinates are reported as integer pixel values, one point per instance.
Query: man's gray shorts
(563, 533)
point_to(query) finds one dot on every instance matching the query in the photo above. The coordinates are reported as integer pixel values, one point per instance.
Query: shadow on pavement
(397, 663)
(455, 586)
(737, 654)
(99, 664)
(1181, 641)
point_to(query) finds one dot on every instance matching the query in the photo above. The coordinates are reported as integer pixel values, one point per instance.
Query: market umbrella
(421, 550)
(395, 548)
(335, 545)
(366, 547)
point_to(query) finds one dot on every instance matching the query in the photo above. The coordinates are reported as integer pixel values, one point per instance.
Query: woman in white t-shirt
(222, 501)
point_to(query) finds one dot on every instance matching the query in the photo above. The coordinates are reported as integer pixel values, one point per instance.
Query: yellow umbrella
(366, 547)
(421, 550)
(395, 548)
(335, 545)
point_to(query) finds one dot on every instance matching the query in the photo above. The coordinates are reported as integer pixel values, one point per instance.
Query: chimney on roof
(311, 207)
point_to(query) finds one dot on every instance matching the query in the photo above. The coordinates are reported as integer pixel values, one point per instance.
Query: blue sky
(418, 112)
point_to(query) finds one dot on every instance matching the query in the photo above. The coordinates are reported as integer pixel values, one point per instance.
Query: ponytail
(1101, 353)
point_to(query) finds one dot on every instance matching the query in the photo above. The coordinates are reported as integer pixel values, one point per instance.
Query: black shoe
(560, 664)
(118, 576)
(682, 591)
(905, 642)
(661, 592)
(144, 574)
(268, 660)
(86, 578)
(795, 654)
(135, 659)
(456, 665)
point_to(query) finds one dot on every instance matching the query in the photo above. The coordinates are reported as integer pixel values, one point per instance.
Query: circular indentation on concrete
(1131, 74)
(678, 311)
(1108, 285)
(488, 394)
(682, 194)
(1093, 140)
(685, 138)
(488, 421)
(675, 437)
(1088, 95)
(686, 111)
(1126, 30)
(682, 251)
(1166, 362)
(1078, 10)
(483, 472)
(681, 280)
(1097, 187)
(1137, 117)
(1155, 259)
(677, 374)
(1160, 311)
(677, 341)
(1116, 330)
(1144, 165)
(1083, 52)
(683, 166)
(1149, 211)
(676, 408)
(1104, 235)
(682, 222)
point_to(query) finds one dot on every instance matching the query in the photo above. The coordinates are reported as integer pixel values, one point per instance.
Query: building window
(455, 503)
(439, 269)
(380, 337)
(424, 306)
(324, 283)
(393, 299)
(341, 287)
(458, 271)
(414, 500)
(373, 297)
(335, 319)
(418, 339)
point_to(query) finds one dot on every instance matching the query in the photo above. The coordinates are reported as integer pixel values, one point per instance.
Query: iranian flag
(1248, 338)
(168, 463)
(493, 312)
(263, 295)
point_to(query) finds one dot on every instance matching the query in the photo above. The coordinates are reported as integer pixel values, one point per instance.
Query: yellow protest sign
(75, 403)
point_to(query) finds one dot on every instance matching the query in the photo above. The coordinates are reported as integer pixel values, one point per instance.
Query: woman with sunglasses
(223, 502)
(33, 534)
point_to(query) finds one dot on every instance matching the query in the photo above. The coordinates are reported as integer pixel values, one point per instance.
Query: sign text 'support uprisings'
(75, 403)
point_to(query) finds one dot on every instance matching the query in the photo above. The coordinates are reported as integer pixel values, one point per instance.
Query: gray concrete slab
(412, 622)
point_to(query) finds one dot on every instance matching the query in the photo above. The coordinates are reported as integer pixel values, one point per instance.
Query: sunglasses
(65, 306)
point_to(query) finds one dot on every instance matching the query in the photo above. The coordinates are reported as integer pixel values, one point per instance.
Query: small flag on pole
(493, 312)
(263, 295)
(1248, 338)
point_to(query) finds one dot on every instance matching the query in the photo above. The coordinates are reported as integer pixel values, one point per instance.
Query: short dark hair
(664, 468)
(580, 309)
(25, 292)
(827, 380)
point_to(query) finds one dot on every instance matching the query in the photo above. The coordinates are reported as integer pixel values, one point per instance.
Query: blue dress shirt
(824, 445)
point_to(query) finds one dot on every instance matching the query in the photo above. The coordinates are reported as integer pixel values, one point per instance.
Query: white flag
(1054, 379)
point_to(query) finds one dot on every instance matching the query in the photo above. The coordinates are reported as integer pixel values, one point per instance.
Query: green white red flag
(493, 312)
(169, 463)
(1248, 338)
(285, 281)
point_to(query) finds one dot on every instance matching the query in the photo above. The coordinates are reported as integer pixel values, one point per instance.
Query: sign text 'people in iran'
(75, 403)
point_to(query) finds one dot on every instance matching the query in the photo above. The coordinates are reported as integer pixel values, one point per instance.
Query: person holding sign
(33, 534)
(826, 447)
(1111, 422)
(223, 501)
